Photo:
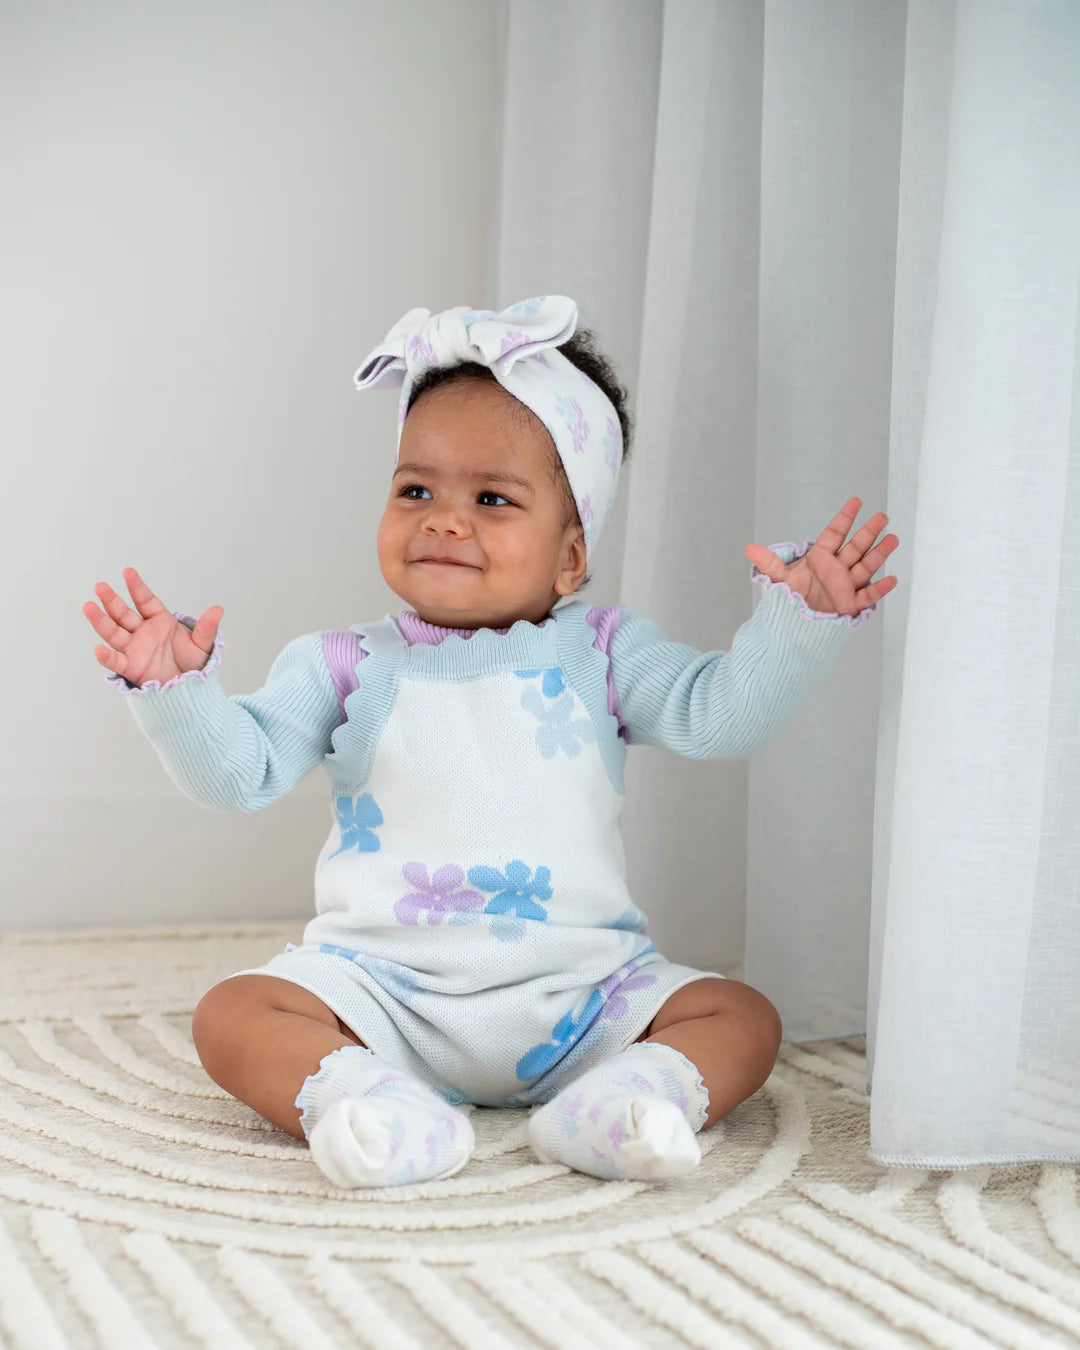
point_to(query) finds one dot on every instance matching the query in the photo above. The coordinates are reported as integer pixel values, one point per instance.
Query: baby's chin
(445, 616)
(441, 611)
(459, 618)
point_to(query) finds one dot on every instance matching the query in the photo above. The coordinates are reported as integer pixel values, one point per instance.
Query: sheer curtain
(834, 250)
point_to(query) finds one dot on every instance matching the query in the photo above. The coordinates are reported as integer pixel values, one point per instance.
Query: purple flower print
(616, 1005)
(421, 352)
(517, 338)
(586, 513)
(572, 1106)
(439, 896)
(612, 989)
(617, 1134)
(575, 421)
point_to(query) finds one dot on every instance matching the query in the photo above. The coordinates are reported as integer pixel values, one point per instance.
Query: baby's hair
(581, 350)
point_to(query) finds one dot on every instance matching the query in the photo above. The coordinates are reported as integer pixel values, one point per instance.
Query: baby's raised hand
(832, 576)
(150, 644)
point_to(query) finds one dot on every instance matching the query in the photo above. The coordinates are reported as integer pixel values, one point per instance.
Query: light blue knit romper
(473, 923)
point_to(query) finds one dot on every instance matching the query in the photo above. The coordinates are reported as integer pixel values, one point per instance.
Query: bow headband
(519, 345)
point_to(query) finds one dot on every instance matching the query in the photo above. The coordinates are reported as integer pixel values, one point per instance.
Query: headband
(519, 345)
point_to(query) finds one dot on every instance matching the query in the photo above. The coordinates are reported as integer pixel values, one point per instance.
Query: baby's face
(475, 485)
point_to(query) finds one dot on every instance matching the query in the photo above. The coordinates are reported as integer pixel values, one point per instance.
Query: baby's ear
(572, 576)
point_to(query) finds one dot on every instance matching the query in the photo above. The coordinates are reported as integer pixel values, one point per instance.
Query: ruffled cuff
(853, 620)
(126, 687)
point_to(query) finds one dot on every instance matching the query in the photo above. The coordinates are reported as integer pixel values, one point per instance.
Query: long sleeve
(725, 704)
(244, 751)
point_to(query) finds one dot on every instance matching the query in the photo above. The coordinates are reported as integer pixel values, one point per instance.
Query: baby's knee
(222, 1018)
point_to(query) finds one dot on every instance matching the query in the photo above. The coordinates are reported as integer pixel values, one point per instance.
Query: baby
(474, 938)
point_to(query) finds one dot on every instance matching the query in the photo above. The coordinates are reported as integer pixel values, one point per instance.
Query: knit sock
(370, 1124)
(634, 1116)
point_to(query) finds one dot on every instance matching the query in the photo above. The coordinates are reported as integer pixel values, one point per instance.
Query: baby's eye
(411, 488)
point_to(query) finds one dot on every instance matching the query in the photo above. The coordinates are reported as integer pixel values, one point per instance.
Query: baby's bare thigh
(242, 994)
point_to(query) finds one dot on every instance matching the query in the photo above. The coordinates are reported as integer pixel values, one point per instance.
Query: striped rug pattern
(142, 1207)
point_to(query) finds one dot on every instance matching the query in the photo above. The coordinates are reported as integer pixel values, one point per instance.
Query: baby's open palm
(147, 643)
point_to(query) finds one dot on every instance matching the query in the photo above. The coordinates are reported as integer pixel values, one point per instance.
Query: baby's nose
(444, 519)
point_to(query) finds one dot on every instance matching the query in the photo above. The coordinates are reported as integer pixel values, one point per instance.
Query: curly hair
(582, 351)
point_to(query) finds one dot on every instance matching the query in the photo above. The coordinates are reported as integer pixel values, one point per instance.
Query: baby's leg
(281, 1050)
(259, 1037)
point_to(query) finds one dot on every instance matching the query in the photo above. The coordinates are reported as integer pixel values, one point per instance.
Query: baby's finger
(205, 630)
(834, 534)
(116, 661)
(875, 559)
(146, 601)
(110, 631)
(115, 607)
(870, 595)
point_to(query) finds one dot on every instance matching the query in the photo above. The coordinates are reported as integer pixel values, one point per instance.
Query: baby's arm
(723, 704)
(244, 751)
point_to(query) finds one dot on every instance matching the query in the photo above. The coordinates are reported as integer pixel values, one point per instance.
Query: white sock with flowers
(634, 1116)
(370, 1124)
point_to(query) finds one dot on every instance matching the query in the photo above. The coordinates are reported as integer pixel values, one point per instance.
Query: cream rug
(140, 1206)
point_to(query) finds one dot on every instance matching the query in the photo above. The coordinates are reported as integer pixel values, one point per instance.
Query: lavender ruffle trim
(316, 1086)
(853, 620)
(699, 1087)
(126, 687)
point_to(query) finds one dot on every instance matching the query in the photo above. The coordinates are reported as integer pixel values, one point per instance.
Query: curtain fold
(834, 250)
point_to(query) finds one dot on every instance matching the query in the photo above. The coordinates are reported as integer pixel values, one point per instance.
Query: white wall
(212, 212)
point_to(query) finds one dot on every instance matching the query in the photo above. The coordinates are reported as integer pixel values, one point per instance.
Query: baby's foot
(369, 1124)
(629, 1117)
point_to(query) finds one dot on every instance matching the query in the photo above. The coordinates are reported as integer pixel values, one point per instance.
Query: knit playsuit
(473, 923)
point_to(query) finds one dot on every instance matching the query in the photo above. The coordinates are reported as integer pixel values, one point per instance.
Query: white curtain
(833, 249)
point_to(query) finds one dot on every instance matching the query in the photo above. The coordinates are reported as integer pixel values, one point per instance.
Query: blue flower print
(357, 821)
(565, 1032)
(514, 890)
(632, 920)
(506, 928)
(394, 978)
(611, 442)
(556, 731)
(553, 683)
(569, 1028)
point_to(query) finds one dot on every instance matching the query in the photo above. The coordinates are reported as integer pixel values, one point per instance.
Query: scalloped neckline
(462, 634)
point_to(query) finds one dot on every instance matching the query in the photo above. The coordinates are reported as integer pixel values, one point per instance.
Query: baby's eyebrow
(488, 476)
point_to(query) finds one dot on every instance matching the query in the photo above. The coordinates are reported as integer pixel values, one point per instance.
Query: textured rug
(141, 1206)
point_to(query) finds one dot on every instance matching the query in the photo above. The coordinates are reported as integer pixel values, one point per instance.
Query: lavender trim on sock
(699, 1085)
(318, 1079)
